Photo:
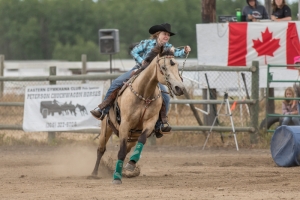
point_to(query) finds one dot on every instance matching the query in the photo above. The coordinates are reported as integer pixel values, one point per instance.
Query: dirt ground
(60, 172)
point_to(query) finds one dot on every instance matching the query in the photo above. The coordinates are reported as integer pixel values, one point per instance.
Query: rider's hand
(187, 49)
(144, 62)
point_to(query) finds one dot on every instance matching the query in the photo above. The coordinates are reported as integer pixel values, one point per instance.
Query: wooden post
(52, 72)
(1, 74)
(208, 16)
(208, 11)
(268, 6)
(83, 66)
(255, 108)
(270, 104)
(195, 112)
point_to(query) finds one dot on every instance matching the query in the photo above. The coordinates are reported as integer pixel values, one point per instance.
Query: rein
(146, 100)
(183, 61)
(163, 71)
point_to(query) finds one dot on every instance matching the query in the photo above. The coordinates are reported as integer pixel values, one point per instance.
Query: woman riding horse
(139, 106)
(160, 35)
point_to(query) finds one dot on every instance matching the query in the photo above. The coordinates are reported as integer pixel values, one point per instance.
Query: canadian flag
(238, 44)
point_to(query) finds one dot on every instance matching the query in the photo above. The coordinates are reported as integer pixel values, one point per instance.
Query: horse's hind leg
(137, 151)
(104, 137)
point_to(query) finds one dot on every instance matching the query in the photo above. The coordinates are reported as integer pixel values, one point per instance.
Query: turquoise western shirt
(140, 51)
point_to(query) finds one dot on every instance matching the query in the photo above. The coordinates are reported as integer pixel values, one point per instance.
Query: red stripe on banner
(292, 44)
(237, 48)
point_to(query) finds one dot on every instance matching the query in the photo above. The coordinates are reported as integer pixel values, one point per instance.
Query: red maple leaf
(268, 45)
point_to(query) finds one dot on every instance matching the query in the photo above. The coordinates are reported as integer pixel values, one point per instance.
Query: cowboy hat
(162, 27)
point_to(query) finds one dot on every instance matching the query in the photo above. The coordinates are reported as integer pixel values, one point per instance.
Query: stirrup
(102, 116)
(165, 129)
(157, 134)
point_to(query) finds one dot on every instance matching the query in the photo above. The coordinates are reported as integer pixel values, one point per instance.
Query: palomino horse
(139, 105)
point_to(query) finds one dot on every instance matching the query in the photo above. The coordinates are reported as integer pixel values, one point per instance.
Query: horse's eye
(172, 63)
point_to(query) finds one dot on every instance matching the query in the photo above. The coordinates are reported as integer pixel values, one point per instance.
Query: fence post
(209, 119)
(1, 74)
(192, 106)
(52, 72)
(83, 66)
(255, 107)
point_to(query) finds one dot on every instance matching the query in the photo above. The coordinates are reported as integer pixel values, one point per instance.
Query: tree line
(65, 29)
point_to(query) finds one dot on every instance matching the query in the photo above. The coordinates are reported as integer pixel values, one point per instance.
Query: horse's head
(168, 72)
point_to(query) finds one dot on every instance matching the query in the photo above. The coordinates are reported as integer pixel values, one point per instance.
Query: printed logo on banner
(61, 107)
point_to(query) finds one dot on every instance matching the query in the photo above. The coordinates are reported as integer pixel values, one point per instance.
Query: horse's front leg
(136, 154)
(123, 135)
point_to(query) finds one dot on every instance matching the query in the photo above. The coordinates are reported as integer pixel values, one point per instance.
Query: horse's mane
(158, 49)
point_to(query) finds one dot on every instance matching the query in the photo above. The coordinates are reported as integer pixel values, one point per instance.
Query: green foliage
(73, 52)
(65, 29)
(55, 29)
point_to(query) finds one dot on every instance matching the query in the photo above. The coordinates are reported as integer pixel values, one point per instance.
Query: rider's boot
(162, 126)
(104, 107)
(98, 114)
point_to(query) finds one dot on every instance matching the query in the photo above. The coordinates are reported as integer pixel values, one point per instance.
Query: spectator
(289, 107)
(281, 12)
(254, 12)
(297, 86)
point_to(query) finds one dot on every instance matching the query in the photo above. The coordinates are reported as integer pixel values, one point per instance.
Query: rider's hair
(155, 35)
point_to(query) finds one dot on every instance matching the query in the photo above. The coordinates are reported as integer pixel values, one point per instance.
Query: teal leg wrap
(118, 171)
(137, 152)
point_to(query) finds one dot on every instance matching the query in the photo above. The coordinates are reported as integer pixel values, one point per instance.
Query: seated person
(289, 107)
(281, 12)
(254, 12)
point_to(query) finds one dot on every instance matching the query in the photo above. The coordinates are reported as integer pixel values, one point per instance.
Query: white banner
(61, 107)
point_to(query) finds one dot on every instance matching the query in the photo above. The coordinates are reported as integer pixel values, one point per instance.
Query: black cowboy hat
(162, 27)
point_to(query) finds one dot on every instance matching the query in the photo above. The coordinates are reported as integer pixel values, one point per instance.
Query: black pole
(110, 65)
(246, 89)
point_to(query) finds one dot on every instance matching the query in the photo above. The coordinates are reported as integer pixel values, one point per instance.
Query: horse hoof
(129, 167)
(117, 182)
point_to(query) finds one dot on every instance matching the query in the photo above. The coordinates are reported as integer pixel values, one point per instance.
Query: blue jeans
(119, 82)
(287, 120)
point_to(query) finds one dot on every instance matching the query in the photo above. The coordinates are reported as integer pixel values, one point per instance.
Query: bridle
(164, 71)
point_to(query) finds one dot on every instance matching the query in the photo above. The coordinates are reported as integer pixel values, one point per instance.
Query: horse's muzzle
(178, 91)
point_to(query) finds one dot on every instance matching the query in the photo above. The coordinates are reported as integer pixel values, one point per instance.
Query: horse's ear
(161, 50)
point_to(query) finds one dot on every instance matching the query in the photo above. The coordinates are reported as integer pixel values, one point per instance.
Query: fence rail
(251, 103)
